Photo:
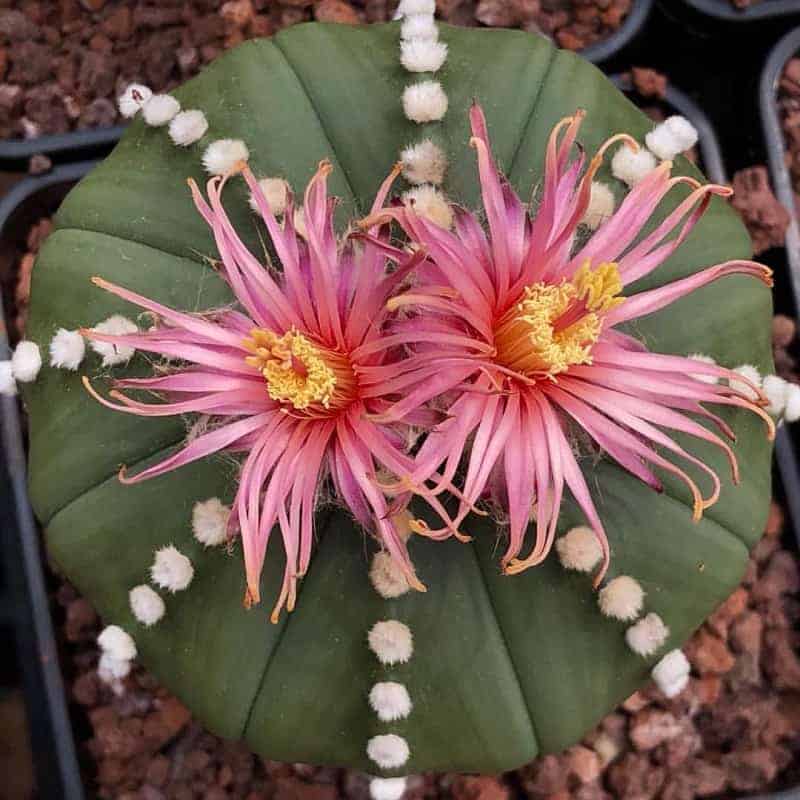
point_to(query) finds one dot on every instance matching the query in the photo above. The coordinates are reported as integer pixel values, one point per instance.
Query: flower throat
(554, 326)
(300, 373)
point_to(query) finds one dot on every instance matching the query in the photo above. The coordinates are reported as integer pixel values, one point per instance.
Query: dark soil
(63, 64)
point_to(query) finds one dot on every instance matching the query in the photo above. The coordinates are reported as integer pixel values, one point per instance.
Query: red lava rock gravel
(62, 64)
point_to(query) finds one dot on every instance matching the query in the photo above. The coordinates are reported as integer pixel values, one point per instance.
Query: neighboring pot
(24, 599)
(724, 9)
(787, 47)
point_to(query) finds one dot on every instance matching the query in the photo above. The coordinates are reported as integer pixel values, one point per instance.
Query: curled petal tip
(415, 583)
(252, 597)
(419, 526)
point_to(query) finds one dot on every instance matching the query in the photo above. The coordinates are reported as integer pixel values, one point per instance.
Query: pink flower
(557, 361)
(293, 379)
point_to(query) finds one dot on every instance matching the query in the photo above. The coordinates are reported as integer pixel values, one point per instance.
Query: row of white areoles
(392, 643)
(424, 165)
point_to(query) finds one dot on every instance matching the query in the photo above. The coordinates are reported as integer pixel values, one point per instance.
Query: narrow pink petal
(201, 447)
(654, 300)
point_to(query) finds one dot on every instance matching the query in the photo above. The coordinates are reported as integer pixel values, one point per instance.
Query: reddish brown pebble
(633, 777)
(727, 612)
(780, 660)
(583, 764)
(651, 727)
(479, 787)
(636, 702)
(709, 654)
(748, 770)
(746, 633)
(765, 218)
(649, 83)
(336, 11)
(784, 330)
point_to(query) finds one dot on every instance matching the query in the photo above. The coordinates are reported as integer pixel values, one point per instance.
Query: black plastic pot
(781, 181)
(633, 24)
(23, 597)
(61, 145)
(724, 10)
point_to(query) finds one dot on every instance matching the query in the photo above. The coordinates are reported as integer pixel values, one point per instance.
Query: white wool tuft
(425, 101)
(111, 670)
(409, 7)
(160, 109)
(777, 391)
(130, 102)
(116, 325)
(117, 643)
(146, 604)
(601, 206)
(430, 203)
(388, 751)
(299, 220)
(579, 549)
(8, 386)
(671, 137)
(388, 578)
(422, 55)
(671, 674)
(67, 349)
(752, 374)
(275, 191)
(424, 162)
(621, 598)
(171, 569)
(187, 127)
(419, 26)
(631, 166)
(222, 155)
(26, 361)
(390, 701)
(387, 788)
(792, 411)
(391, 641)
(647, 635)
(706, 360)
(210, 521)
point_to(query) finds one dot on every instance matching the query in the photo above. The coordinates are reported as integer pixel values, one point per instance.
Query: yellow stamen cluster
(299, 372)
(555, 325)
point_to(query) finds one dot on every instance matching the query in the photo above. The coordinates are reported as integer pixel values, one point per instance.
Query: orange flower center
(555, 325)
(301, 373)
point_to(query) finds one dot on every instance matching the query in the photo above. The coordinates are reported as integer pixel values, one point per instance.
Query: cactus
(504, 667)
